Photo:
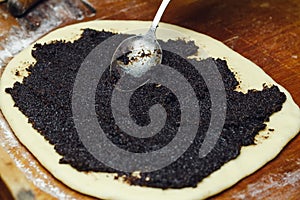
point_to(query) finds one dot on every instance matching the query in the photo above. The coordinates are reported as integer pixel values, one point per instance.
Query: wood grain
(265, 31)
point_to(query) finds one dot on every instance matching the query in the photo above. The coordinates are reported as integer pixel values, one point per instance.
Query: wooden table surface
(265, 31)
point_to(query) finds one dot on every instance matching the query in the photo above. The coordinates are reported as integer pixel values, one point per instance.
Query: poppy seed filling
(45, 98)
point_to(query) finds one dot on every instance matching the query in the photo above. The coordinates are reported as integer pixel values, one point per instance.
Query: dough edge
(103, 185)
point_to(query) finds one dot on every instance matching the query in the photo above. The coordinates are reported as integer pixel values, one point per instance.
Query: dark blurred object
(88, 5)
(19, 7)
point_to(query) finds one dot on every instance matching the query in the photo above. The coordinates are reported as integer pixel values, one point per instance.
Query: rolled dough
(286, 123)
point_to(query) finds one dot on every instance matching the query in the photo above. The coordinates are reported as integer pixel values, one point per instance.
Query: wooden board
(266, 32)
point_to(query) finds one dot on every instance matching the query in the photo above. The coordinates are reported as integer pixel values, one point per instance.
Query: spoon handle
(159, 14)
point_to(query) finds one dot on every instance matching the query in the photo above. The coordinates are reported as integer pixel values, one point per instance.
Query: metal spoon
(137, 54)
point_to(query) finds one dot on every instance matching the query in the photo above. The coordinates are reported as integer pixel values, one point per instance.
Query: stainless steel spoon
(137, 54)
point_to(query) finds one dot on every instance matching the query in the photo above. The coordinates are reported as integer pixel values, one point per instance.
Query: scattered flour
(39, 178)
(52, 12)
(262, 190)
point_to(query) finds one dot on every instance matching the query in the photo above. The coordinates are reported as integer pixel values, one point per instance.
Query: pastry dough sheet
(286, 123)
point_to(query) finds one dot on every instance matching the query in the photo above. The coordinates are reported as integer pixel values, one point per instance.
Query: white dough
(286, 123)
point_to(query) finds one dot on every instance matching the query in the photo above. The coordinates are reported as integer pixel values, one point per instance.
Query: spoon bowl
(137, 54)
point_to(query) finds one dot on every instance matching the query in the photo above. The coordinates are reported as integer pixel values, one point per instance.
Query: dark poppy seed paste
(45, 98)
